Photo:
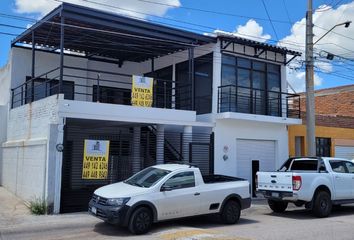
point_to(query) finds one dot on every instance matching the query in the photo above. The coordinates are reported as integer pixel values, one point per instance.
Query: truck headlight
(117, 202)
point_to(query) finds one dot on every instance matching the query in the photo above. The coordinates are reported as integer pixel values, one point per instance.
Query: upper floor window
(39, 88)
(250, 86)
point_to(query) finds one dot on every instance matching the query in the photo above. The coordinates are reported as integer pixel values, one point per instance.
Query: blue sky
(251, 9)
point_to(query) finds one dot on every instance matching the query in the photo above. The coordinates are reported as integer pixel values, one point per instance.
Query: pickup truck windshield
(147, 177)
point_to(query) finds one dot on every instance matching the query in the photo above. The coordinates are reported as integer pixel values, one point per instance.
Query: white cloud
(134, 8)
(297, 80)
(325, 17)
(251, 30)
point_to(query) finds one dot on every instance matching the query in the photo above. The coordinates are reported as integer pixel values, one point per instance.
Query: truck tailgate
(275, 181)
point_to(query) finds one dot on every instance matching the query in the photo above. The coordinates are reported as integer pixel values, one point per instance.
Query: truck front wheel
(231, 212)
(322, 204)
(140, 221)
(277, 206)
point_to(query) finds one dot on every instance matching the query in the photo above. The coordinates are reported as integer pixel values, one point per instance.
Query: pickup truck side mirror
(166, 189)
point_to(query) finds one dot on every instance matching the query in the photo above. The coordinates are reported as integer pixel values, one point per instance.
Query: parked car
(169, 191)
(317, 183)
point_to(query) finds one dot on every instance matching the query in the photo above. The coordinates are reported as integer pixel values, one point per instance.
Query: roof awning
(99, 34)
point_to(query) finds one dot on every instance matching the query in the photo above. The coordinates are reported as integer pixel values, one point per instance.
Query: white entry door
(249, 150)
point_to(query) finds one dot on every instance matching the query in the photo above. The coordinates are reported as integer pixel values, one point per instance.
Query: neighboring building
(220, 102)
(334, 124)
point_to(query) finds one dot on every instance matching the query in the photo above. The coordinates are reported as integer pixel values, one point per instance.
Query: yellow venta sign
(95, 163)
(142, 91)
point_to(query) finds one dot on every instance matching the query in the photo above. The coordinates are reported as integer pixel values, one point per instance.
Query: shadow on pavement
(203, 222)
(111, 230)
(306, 214)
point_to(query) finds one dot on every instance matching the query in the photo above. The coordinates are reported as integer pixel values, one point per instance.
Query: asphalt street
(258, 222)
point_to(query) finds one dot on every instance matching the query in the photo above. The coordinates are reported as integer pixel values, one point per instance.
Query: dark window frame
(126, 100)
(266, 109)
(51, 88)
(323, 146)
(160, 76)
(183, 88)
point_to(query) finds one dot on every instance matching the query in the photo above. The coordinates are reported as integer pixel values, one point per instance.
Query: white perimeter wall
(227, 131)
(5, 80)
(27, 162)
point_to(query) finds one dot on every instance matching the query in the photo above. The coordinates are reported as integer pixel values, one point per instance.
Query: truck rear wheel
(277, 206)
(322, 204)
(231, 212)
(140, 221)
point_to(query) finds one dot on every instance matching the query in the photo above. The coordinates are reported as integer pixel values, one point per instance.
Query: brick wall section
(331, 121)
(333, 101)
(334, 107)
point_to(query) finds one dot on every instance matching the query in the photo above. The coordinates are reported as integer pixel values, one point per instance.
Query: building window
(163, 87)
(203, 82)
(250, 86)
(323, 147)
(112, 95)
(42, 88)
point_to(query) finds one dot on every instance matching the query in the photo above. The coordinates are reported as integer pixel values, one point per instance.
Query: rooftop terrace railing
(99, 86)
(232, 98)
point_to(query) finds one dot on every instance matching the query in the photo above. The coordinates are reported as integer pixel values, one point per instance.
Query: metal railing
(232, 98)
(99, 86)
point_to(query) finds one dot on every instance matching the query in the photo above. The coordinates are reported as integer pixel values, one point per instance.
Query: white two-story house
(220, 102)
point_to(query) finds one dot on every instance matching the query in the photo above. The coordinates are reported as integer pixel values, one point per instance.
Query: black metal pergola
(102, 36)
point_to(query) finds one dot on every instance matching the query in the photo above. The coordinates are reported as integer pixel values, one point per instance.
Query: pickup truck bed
(220, 178)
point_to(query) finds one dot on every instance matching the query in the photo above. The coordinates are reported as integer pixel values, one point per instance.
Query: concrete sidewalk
(12, 209)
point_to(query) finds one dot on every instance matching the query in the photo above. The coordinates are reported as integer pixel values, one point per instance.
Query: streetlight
(346, 25)
(310, 94)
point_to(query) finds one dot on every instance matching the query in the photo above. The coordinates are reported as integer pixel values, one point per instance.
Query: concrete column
(187, 138)
(58, 166)
(160, 141)
(216, 75)
(136, 160)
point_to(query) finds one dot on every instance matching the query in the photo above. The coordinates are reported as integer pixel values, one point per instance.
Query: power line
(294, 44)
(12, 26)
(339, 34)
(9, 34)
(329, 7)
(25, 19)
(151, 15)
(288, 42)
(211, 11)
(270, 20)
(287, 12)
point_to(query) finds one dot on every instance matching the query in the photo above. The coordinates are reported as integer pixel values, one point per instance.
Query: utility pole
(310, 91)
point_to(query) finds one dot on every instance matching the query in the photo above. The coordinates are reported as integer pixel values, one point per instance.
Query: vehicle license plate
(275, 194)
(94, 210)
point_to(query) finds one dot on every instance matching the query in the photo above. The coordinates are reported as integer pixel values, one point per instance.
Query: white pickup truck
(169, 191)
(317, 183)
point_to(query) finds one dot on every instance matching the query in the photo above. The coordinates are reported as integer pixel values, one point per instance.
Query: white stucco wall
(227, 131)
(3, 129)
(5, 80)
(27, 160)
